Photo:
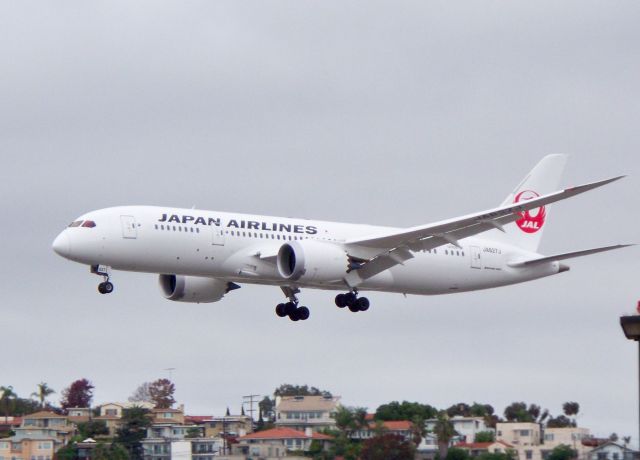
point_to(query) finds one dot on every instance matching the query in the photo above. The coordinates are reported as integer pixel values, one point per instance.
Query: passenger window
(197, 230)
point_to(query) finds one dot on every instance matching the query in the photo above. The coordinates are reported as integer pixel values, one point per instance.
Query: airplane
(200, 256)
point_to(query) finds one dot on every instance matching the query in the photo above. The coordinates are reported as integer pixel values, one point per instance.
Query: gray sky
(393, 113)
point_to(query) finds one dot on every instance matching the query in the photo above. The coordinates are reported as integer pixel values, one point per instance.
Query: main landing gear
(106, 287)
(291, 308)
(351, 300)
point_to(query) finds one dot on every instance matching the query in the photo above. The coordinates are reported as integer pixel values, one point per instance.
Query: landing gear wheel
(289, 308)
(281, 310)
(303, 313)
(105, 288)
(354, 308)
(341, 302)
(295, 315)
(363, 304)
(350, 299)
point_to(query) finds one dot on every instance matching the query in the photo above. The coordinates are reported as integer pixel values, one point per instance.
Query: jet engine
(194, 288)
(310, 260)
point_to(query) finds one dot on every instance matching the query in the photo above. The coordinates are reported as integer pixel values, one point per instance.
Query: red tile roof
(397, 425)
(283, 433)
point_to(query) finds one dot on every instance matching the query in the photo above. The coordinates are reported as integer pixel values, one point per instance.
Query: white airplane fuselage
(242, 248)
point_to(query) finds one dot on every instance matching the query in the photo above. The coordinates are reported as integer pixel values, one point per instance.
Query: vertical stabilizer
(544, 178)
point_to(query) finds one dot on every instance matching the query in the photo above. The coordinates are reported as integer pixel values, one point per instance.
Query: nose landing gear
(106, 287)
(351, 300)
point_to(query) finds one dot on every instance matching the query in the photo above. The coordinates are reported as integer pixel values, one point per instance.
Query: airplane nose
(61, 245)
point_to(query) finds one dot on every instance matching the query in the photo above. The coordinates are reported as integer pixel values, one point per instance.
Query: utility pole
(170, 370)
(250, 399)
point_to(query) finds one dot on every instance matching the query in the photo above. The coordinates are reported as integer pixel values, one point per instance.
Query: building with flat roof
(302, 412)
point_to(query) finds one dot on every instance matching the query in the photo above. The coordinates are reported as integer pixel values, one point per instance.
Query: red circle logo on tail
(533, 219)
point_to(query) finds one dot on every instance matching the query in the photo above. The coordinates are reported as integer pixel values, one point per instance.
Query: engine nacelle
(310, 260)
(194, 288)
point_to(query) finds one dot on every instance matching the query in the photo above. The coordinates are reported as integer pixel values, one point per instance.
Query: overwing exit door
(476, 262)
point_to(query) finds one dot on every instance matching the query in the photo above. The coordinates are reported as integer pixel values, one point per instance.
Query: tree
(93, 428)
(444, 431)
(78, 394)
(161, 393)
(571, 408)
(485, 436)
(562, 452)
(350, 419)
(135, 422)
(508, 455)
(626, 440)
(560, 421)
(267, 406)
(461, 409)
(387, 447)
(613, 437)
(455, 453)
(141, 394)
(7, 397)
(193, 432)
(286, 389)
(418, 430)
(519, 412)
(109, 452)
(405, 411)
(43, 390)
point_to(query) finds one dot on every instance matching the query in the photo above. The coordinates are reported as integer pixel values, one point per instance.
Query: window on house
(528, 454)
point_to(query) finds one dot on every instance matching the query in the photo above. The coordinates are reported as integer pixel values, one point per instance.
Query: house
(46, 424)
(9, 423)
(79, 414)
(533, 443)
(519, 434)
(186, 449)
(478, 448)
(466, 427)
(278, 441)
(302, 412)
(37, 445)
(175, 416)
(231, 425)
(111, 413)
(611, 451)
(399, 427)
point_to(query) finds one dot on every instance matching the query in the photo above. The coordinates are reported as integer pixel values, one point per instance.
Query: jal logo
(533, 219)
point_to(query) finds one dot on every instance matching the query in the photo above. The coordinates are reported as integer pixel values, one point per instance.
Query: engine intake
(194, 289)
(310, 260)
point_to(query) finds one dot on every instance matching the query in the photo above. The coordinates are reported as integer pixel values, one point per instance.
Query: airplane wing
(396, 247)
(566, 255)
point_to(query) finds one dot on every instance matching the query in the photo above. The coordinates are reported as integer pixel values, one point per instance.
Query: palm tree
(7, 394)
(42, 392)
(444, 431)
(571, 408)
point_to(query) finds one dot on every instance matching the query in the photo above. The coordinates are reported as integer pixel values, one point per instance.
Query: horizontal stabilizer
(566, 255)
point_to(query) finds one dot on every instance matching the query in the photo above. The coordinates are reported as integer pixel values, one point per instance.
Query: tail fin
(544, 178)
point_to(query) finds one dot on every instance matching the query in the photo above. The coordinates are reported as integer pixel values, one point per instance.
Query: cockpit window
(89, 223)
(75, 223)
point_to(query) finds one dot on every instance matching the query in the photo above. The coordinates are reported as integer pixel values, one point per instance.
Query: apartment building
(302, 412)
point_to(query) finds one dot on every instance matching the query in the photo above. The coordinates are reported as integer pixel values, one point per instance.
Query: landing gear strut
(106, 287)
(291, 308)
(351, 300)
